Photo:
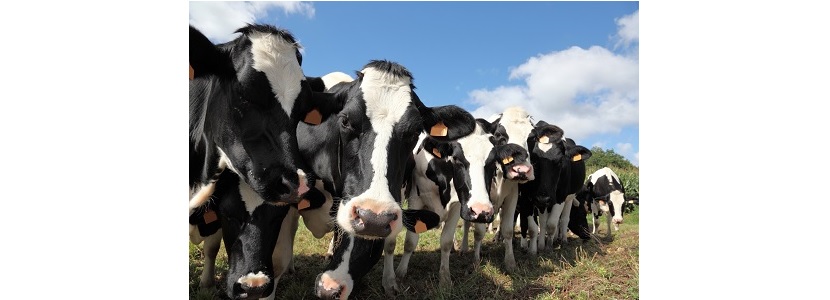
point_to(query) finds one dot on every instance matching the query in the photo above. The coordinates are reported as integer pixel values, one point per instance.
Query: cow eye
(344, 122)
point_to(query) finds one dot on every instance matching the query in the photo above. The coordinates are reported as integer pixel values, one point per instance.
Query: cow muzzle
(479, 213)
(522, 172)
(369, 218)
(252, 286)
(329, 289)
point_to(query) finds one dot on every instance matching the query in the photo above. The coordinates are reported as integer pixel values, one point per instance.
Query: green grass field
(607, 268)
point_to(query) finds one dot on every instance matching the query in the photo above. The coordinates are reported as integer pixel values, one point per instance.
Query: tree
(607, 158)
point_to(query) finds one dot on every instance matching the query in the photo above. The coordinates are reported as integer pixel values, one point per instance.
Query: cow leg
(478, 235)
(465, 228)
(553, 219)
(562, 235)
(409, 245)
(283, 256)
(608, 222)
(447, 234)
(211, 249)
(543, 230)
(533, 231)
(595, 213)
(507, 218)
(389, 284)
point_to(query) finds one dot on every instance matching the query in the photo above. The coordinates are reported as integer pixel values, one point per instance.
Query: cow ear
(419, 221)
(312, 199)
(316, 83)
(486, 126)
(321, 106)
(448, 123)
(579, 153)
(206, 59)
(437, 148)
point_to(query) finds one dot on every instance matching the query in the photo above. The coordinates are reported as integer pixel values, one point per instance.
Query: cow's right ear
(321, 106)
(437, 148)
(206, 59)
(420, 220)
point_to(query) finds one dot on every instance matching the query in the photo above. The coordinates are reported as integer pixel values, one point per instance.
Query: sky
(572, 64)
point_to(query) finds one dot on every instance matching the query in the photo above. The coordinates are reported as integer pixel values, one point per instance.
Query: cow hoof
(445, 282)
(391, 291)
(510, 266)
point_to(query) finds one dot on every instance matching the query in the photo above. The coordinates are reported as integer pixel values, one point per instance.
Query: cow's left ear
(321, 106)
(421, 220)
(448, 123)
(578, 153)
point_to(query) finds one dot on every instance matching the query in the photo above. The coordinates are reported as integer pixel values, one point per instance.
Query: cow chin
(370, 219)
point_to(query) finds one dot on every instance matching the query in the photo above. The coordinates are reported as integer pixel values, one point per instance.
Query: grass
(607, 268)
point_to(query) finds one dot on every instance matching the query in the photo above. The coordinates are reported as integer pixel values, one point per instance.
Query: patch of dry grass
(606, 268)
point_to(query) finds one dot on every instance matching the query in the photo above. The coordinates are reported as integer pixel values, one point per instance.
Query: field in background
(607, 268)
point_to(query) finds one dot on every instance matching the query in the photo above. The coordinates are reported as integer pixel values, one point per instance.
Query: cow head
(379, 124)
(246, 98)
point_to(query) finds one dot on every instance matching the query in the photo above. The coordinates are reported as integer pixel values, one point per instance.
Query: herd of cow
(269, 145)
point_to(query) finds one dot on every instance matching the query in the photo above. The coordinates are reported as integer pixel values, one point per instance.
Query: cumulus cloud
(218, 20)
(627, 150)
(628, 31)
(584, 91)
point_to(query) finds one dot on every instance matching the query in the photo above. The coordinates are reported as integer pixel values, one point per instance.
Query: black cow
(361, 156)
(246, 99)
(538, 198)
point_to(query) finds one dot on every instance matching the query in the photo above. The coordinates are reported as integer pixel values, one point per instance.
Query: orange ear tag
(578, 157)
(544, 139)
(303, 204)
(420, 226)
(506, 160)
(438, 130)
(210, 216)
(313, 117)
(191, 72)
(436, 153)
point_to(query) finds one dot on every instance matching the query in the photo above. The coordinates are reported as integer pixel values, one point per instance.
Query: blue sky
(573, 64)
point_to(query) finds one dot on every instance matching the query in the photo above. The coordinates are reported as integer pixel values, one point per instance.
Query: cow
(552, 203)
(449, 179)
(246, 98)
(512, 167)
(361, 156)
(538, 198)
(606, 195)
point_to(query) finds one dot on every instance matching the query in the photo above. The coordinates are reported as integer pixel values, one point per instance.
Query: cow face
(547, 152)
(471, 180)
(246, 98)
(509, 161)
(380, 122)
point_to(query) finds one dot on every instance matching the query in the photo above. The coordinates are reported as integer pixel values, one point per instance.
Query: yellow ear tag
(303, 204)
(438, 130)
(506, 160)
(210, 216)
(544, 139)
(435, 151)
(577, 157)
(313, 117)
(420, 226)
(191, 72)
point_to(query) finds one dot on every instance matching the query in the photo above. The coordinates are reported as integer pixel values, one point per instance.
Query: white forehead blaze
(249, 197)
(387, 99)
(516, 122)
(277, 58)
(604, 172)
(476, 148)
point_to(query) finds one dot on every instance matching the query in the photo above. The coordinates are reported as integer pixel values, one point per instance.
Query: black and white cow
(513, 166)
(538, 198)
(365, 150)
(604, 190)
(449, 179)
(552, 203)
(246, 99)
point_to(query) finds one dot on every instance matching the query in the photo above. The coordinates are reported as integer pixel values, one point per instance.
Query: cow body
(512, 167)
(449, 179)
(604, 190)
(365, 150)
(246, 98)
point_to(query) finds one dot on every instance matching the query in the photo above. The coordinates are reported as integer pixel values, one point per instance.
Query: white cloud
(583, 91)
(218, 20)
(626, 150)
(628, 29)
